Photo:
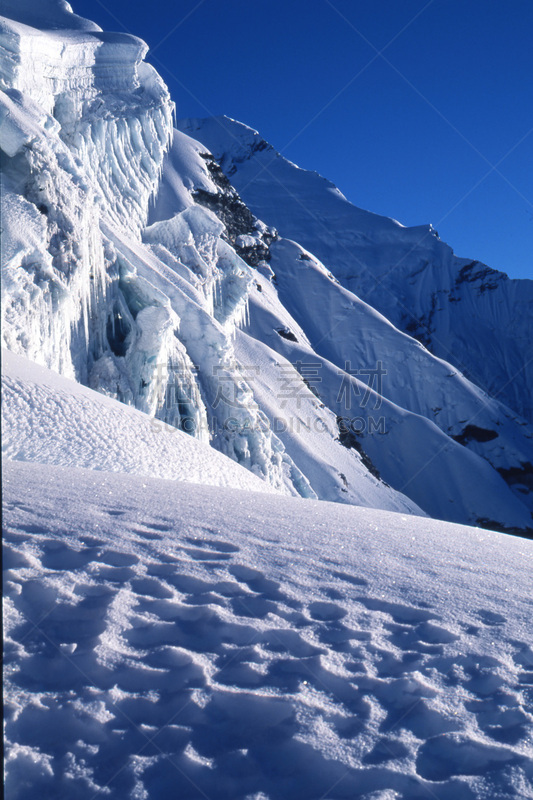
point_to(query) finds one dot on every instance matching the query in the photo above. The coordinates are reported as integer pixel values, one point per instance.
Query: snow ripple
(151, 654)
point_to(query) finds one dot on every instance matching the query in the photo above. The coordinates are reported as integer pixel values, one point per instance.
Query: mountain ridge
(366, 251)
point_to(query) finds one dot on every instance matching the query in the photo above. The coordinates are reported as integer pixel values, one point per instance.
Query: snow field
(174, 628)
(172, 640)
(50, 419)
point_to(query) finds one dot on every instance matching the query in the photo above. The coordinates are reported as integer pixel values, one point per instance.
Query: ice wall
(84, 128)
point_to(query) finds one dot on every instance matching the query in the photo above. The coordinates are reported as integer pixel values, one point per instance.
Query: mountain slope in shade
(463, 311)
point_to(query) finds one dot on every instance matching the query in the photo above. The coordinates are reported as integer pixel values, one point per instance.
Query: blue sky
(417, 109)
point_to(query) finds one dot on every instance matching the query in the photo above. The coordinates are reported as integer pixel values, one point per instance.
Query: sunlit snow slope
(52, 420)
(168, 640)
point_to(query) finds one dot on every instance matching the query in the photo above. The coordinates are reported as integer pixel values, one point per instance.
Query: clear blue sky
(418, 109)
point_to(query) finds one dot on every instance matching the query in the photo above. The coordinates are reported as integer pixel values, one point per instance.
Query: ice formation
(174, 625)
(85, 127)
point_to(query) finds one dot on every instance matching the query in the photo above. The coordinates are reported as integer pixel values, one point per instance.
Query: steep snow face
(334, 320)
(53, 265)
(463, 311)
(331, 365)
(112, 110)
(440, 476)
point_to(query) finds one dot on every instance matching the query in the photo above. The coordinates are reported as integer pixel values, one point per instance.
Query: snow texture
(131, 265)
(171, 640)
(51, 420)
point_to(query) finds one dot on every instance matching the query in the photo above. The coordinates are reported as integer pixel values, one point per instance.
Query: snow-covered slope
(171, 640)
(83, 144)
(132, 265)
(463, 311)
(410, 452)
(308, 318)
(334, 341)
(151, 323)
(52, 420)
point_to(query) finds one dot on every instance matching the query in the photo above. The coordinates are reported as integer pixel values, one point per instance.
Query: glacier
(171, 270)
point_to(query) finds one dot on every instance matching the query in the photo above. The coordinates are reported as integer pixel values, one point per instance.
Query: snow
(48, 14)
(166, 639)
(341, 336)
(138, 270)
(183, 171)
(438, 475)
(465, 312)
(52, 420)
(185, 613)
(82, 295)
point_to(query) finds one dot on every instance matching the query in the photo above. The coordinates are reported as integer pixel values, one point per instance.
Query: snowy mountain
(184, 390)
(140, 272)
(461, 310)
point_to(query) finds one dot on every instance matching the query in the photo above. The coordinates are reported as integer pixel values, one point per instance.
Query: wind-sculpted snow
(46, 14)
(84, 140)
(171, 640)
(53, 267)
(111, 110)
(177, 625)
(84, 129)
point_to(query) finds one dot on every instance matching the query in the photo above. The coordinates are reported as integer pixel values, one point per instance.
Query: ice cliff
(85, 126)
